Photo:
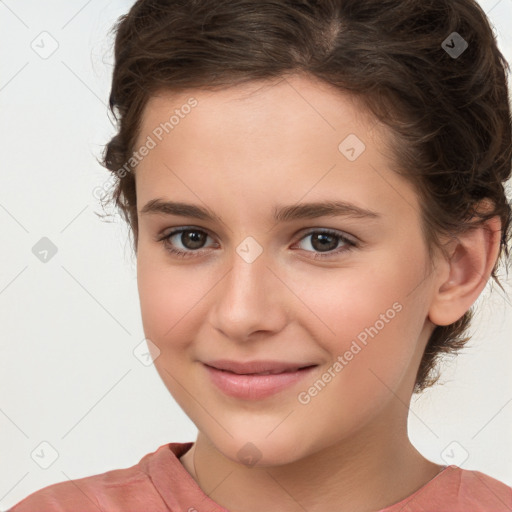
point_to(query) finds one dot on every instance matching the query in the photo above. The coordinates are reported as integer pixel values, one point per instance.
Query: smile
(256, 386)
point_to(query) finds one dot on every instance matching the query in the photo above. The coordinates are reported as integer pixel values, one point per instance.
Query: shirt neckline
(444, 471)
(178, 488)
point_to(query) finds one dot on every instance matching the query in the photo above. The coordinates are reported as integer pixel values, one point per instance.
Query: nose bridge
(249, 297)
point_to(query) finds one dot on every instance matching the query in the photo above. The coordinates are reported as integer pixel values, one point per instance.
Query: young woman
(315, 192)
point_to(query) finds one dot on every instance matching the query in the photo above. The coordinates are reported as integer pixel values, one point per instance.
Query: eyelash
(350, 245)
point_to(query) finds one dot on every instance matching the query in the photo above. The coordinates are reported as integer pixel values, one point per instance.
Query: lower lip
(255, 387)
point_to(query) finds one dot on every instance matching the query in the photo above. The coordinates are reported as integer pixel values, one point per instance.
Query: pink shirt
(160, 483)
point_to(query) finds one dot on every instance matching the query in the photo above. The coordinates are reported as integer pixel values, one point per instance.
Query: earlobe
(468, 269)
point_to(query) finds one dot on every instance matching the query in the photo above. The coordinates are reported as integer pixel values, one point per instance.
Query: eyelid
(342, 234)
(302, 233)
(167, 232)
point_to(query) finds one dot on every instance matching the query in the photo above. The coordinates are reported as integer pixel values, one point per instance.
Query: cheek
(367, 317)
(169, 299)
(342, 303)
(170, 302)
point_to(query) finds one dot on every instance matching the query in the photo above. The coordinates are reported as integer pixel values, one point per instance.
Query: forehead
(289, 104)
(292, 138)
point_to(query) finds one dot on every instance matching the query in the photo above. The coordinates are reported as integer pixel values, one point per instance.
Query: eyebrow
(281, 213)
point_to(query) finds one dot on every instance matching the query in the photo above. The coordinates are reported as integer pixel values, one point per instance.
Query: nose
(250, 300)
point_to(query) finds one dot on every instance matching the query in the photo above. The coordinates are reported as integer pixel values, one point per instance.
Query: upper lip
(256, 366)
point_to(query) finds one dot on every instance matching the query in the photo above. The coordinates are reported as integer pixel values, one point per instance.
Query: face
(346, 294)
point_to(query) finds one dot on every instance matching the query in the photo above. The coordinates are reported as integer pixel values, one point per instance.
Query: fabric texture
(160, 483)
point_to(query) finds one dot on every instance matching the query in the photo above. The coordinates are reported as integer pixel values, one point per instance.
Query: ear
(464, 274)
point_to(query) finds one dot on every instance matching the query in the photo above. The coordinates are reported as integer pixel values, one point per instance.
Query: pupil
(323, 237)
(193, 238)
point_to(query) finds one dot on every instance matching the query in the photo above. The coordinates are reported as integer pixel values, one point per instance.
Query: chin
(260, 451)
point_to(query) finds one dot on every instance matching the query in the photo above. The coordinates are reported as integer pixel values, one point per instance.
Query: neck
(362, 473)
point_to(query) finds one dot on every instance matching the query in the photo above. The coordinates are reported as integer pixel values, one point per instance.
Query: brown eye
(192, 238)
(325, 243)
(184, 242)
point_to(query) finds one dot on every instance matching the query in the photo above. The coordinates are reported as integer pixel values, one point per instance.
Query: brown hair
(449, 114)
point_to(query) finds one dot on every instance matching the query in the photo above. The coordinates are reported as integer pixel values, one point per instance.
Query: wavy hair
(449, 115)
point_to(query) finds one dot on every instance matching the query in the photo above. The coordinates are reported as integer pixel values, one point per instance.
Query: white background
(68, 327)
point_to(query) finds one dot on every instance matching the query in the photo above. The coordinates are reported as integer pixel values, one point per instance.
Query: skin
(240, 152)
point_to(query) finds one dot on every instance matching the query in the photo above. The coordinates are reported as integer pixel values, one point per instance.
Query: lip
(248, 386)
(255, 366)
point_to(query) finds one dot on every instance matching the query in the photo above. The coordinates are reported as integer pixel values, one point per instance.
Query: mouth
(268, 372)
(257, 385)
(259, 367)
